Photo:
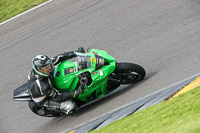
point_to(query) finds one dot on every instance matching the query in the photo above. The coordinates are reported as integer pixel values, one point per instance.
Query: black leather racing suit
(41, 88)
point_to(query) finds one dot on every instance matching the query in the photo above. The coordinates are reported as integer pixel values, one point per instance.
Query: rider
(41, 85)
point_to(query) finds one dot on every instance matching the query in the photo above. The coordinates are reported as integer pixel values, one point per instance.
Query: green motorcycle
(96, 70)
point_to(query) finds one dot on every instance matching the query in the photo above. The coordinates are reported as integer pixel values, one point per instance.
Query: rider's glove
(81, 50)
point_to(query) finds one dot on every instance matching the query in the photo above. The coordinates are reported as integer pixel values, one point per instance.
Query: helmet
(42, 65)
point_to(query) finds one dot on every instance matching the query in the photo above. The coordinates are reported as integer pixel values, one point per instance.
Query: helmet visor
(47, 69)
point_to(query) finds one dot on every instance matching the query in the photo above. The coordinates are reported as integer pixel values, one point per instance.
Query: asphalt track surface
(161, 35)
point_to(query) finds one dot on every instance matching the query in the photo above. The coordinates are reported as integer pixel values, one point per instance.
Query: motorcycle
(103, 74)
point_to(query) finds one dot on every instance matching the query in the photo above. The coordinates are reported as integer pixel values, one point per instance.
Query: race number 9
(93, 60)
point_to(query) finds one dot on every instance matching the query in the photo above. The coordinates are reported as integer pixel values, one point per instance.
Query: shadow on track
(98, 102)
(63, 120)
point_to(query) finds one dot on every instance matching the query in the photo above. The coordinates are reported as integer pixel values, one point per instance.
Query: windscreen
(83, 62)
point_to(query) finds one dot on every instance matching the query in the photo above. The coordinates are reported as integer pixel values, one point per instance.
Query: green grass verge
(10, 8)
(178, 115)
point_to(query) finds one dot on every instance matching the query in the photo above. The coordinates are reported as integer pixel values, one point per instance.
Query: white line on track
(26, 12)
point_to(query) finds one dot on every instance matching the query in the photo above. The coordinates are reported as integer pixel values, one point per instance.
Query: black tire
(34, 108)
(130, 73)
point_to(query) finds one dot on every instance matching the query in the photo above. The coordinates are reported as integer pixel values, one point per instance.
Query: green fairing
(66, 75)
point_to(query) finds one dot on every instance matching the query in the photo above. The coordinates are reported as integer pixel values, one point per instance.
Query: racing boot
(68, 106)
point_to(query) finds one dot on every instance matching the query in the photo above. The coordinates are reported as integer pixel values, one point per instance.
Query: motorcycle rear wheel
(35, 109)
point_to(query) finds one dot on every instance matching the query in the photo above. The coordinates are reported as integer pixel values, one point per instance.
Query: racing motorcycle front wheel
(129, 73)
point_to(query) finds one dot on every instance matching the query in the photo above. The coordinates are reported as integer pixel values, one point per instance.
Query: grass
(178, 115)
(10, 8)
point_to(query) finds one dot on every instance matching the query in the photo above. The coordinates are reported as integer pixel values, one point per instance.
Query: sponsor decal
(100, 61)
(71, 70)
(68, 71)
(101, 72)
(94, 73)
(93, 59)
